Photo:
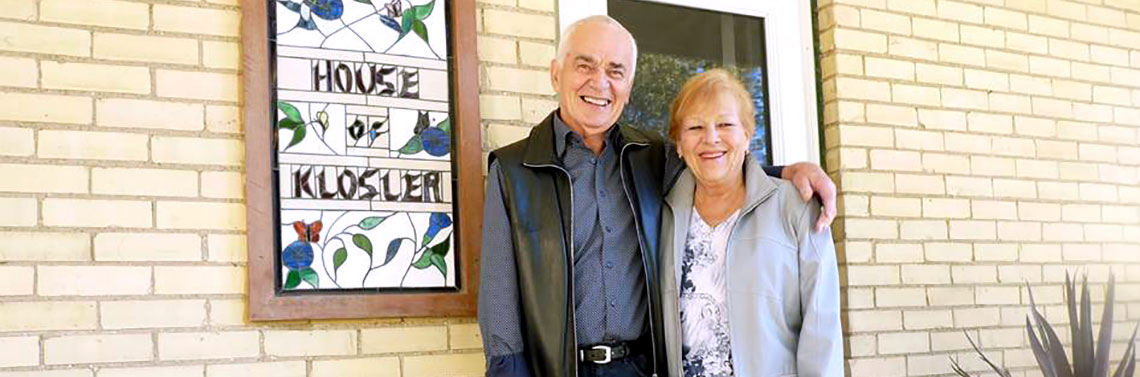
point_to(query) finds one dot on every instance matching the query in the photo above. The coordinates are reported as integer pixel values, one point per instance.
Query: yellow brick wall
(122, 247)
(979, 145)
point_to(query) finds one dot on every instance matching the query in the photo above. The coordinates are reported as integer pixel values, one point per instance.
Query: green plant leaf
(406, 23)
(298, 135)
(420, 29)
(371, 222)
(363, 242)
(439, 263)
(290, 111)
(310, 276)
(413, 146)
(292, 280)
(424, 261)
(288, 124)
(339, 257)
(420, 12)
(445, 125)
(442, 248)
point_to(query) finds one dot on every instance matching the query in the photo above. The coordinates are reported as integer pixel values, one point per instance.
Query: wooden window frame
(265, 304)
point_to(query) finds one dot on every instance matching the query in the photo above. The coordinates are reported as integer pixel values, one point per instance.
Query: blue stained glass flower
(297, 256)
(437, 222)
(436, 142)
(326, 9)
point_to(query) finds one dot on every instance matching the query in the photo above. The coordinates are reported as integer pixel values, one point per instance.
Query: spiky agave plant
(1089, 360)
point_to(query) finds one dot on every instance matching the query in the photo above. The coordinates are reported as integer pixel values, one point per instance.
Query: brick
(994, 210)
(19, 72)
(1005, 18)
(92, 280)
(972, 230)
(977, 317)
(144, 182)
(22, 107)
(223, 185)
(527, 81)
(982, 36)
(375, 366)
(92, 145)
(96, 213)
(196, 85)
(48, 315)
(1057, 190)
(118, 14)
(1091, 72)
(935, 29)
(19, 212)
(1027, 43)
(228, 312)
(417, 339)
(469, 364)
(1007, 61)
(968, 143)
(969, 186)
(1048, 26)
(45, 39)
(1111, 95)
(995, 252)
(1053, 108)
(884, 22)
(16, 281)
(1049, 66)
(174, 371)
(964, 99)
(539, 5)
(281, 369)
(880, 366)
(974, 274)
(499, 107)
(535, 110)
(115, 315)
(132, 113)
(310, 343)
(223, 119)
(895, 207)
(536, 54)
(847, 64)
(519, 24)
(224, 55)
(861, 345)
(904, 297)
(950, 296)
(1019, 274)
(945, 163)
(864, 89)
(903, 343)
(921, 140)
(919, 184)
(101, 348)
(948, 252)
(872, 229)
(992, 166)
(208, 345)
(895, 160)
(144, 247)
(925, 274)
(197, 151)
(918, 95)
(1019, 231)
(44, 246)
(898, 253)
(464, 335)
(927, 319)
(860, 298)
(989, 123)
(923, 229)
(1030, 85)
(855, 205)
(199, 280)
(867, 136)
(945, 208)
(196, 20)
(1108, 55)
(226, 248)
(151, 49)
(912, 48)
(978, 79)
(942, 119)
(937, 74)
(200, 215)
(958, 54)
(1031, 126)
(1081, 252)
(95, 77)
(1068, 49)
(20, 351)
(24, 10)
(850, 39)
(497, 50)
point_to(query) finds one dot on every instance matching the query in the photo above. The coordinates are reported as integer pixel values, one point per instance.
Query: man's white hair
(564, 41)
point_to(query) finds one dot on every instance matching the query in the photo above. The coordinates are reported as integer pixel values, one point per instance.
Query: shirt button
(613, 303)
(609, 230)
(610, 265)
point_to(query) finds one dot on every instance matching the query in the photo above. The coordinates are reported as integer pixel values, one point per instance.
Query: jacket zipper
(644, 263)
(569, 264)
(728, 263)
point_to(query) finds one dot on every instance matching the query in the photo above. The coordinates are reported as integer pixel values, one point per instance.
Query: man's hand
(810, 179)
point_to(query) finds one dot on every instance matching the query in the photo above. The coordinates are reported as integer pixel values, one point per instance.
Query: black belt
(606, 353)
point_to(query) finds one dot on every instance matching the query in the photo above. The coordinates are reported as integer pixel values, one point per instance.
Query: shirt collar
(563, 133)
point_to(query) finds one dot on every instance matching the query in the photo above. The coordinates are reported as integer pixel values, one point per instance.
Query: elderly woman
(749, 289)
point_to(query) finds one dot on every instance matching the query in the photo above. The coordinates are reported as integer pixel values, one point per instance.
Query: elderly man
(571, 221)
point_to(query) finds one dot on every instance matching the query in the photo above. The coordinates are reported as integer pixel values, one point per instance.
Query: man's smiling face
(594, 78)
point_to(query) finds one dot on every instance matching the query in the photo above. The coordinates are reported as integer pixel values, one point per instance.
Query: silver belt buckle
(609, 353)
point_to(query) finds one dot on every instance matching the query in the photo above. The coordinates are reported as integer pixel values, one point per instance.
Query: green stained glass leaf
(371, 222)
(393, 248)
(420, 29)
(413, 146)
(310, 276)
(406, 23)
(421, 12)
(292, 280)
(369, 2)
(363, 242)
(439, 263)
(424, 262)
(288, 124)
(442, 248)
(298, 135)
(339, 257)
(290, 111)
(445, 125)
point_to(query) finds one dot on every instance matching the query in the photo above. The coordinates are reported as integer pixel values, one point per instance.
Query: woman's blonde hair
(704, 87)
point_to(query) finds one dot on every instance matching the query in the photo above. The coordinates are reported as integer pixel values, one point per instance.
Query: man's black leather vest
(536, 191)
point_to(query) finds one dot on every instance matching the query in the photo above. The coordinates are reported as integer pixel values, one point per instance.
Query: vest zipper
(641, 243)
(569, 263)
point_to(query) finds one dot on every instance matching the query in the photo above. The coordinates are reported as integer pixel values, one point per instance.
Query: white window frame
(791, 65)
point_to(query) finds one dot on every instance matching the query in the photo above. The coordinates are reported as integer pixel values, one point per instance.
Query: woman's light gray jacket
(783, 281)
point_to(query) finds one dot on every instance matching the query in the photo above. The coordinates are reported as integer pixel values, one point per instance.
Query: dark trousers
(632, 366)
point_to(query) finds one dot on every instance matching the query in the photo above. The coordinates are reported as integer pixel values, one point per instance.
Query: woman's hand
(810, 179)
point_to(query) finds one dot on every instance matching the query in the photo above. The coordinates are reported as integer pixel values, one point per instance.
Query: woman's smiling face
(713, 140)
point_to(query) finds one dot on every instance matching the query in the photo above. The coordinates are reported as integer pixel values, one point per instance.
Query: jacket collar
(541, 148)
(757, 187)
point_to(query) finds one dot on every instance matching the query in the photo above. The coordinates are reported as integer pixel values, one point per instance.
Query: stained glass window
(363, 145)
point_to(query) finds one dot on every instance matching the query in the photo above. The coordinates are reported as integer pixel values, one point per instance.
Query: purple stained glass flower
(326, 9)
